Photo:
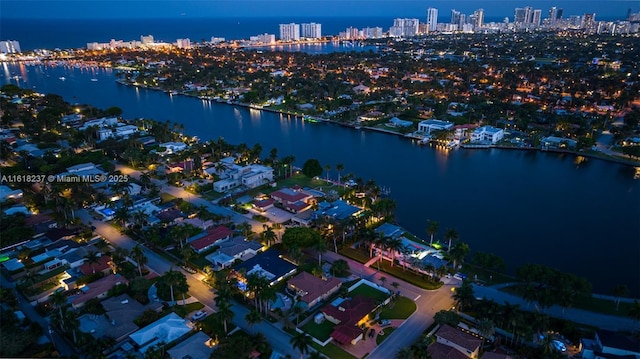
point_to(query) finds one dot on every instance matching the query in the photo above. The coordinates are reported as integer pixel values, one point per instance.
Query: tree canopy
(312, 168)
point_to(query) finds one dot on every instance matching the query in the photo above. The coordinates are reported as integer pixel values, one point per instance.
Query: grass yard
(166, 197)
(369, 292)
(319, 331)
(387, 332)
(403, 307)
(332, 351)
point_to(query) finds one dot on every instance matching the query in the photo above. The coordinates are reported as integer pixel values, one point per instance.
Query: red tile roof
(288, 195)
(264, 203)
(102, 264)
(98, 288)
(459, 337)
(212, 236)
(353, 311)
(314, 287)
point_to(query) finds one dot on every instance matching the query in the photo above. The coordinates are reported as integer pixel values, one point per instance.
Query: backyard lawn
(319, 331)
(369, 292)
(403, 307)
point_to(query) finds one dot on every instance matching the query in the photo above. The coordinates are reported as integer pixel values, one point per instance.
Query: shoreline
(381, 130)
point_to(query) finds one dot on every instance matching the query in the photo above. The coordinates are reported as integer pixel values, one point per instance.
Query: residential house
(263, 204)
(232, 250)
(293, 200)
(172, 147)
(104, 265)
(97, 289)
(312, 289)
(396, 122)
(250, 176)
(442, 351)
(427, 126)
(117, 322)
(198, 345)
(164, 330)
(348, 314)
(487, 134)
(205, 240)
(268, 264)
(557, 142)
(464, 343)
(101, 122)
(339, 210)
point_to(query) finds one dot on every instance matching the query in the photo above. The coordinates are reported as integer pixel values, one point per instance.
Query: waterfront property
(427, 126)
(488, 134)
(233, 175)
(293, 200)
(237, 248)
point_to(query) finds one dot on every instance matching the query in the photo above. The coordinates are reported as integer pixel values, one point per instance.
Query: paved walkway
(603, 321)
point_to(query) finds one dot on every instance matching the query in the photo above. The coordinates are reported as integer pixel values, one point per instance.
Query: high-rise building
(404, 27)
(536, 18)
(183, 43)
(588, 21)
(478, 18)
(552, 16)
(523, 15)
(9, 47)
(432, 19)
(290, 32)
(311, 30)
(146, 39)
(268, 39)
(455, 17)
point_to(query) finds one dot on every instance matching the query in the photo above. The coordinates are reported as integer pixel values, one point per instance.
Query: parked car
(385, 322)
(198, 315)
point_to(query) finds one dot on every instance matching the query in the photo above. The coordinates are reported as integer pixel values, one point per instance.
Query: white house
(173, 147)
(251, 176)
(487, 134)
(7, 193)
(101, 122)
(126, 130)
(434, 125)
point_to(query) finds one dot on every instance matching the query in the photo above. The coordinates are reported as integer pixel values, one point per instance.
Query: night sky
(604, 9)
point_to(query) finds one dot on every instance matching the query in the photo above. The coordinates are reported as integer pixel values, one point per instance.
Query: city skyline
(279, 8)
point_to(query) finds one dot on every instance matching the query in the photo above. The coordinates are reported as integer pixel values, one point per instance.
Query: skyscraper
(9, 47)
(478, 18)
(455, 17)
(311, 30)
(536, 18)
(404, 27)
(552, 15)
(432, 19)
(290, 32)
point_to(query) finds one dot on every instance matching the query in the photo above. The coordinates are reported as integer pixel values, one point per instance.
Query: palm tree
(339, 168)
(451, 235)
(187, 253)
(182, 287)
(253, 317)
(394, 245)
(268, 235)
(486, 329)
(619, 291)
(92, 258)
(320, 247)
(137, 253)
(71, 323)
(327, 168)
(225, 313)
(172, 278)
(297, 310)
(432, 229)
(463, 295)
(458, 253)
(59, 300)
(302, 342)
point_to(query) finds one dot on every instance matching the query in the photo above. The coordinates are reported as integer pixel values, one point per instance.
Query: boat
(62, 78)
(94, 80)
(310, 119)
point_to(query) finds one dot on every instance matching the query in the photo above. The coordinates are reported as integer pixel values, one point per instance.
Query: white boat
(62, 78)
(94, 79)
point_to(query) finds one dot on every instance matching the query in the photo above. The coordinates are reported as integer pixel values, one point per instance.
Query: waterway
(526, 206)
